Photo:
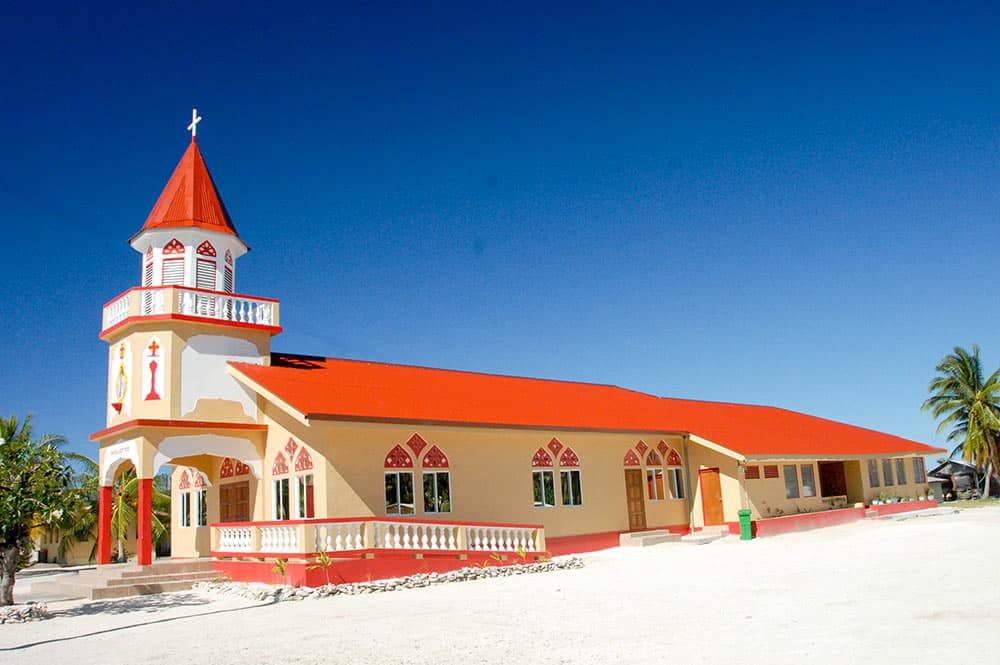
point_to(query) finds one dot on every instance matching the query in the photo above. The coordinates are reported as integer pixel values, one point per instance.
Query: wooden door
(832, 479)
(234, 502)
(711, 497)
(634, 499)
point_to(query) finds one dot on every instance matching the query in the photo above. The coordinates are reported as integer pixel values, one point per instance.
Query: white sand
(915, 591)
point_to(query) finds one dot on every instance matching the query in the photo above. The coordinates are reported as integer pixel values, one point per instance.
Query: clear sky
(792, 204)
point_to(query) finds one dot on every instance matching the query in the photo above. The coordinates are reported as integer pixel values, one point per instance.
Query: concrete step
(124, 591)
(170, 568)
(176, 577)
(703, 537)
(647, 538)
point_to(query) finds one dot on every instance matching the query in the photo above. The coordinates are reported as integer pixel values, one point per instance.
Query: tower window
(205, 274)
(173, 272)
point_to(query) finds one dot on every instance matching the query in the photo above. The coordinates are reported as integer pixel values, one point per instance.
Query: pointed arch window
(437, 482)
(398, 482)
(543, 486)
(654, 477)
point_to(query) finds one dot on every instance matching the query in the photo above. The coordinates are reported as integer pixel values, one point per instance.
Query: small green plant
(279, 567)
(324, 563)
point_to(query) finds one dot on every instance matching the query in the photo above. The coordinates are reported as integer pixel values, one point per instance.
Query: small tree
(34, 492)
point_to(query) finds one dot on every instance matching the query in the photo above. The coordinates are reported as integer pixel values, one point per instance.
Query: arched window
(437, 482)
(543, 484)
(398, 483)
(172, 268)
(570, 479)
(654, 477)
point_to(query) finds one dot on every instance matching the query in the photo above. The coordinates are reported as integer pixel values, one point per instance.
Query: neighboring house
(961, 480)
(283, 455)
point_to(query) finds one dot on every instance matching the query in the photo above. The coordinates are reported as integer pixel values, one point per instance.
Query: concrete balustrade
(307, 537)
(188, 302)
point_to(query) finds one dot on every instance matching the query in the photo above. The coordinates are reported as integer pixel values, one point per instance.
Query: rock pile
(277, 593)
(22, 613)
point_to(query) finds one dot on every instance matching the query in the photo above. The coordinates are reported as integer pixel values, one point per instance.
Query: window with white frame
(200, 508)
(437, 492)
(654, 484)
(185, 504)
(399, 493)
(676, 483)
(572, 492)
(281, 499)
(305, 503)
(544, 489)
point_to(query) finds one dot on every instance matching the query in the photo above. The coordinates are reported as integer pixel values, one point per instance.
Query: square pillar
(144, 514)
(104, 525)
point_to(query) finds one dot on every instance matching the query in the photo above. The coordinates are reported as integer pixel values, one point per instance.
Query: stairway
(122, 580)
(647, 538)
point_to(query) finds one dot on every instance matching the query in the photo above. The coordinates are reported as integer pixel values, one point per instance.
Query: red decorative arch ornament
(541, 458)
(304, 461)
(641, 447)
(435, 459)
(569, 458)
(206, 249)
(398, 459)
(280, 466)
(173, 247)
(416, 444)
(185, 482)
(631, 459)
(555, 445)
(652, 459)
(227, 470)
(673, 459)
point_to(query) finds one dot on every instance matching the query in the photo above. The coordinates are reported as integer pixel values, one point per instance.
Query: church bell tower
(170, 396)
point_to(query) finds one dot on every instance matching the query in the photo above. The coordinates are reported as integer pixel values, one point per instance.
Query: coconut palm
(968, 406)
(82, 525)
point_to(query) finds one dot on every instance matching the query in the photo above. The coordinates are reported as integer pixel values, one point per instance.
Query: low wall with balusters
(367, 547)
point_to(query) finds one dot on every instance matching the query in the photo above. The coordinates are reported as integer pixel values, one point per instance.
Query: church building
(390, 469)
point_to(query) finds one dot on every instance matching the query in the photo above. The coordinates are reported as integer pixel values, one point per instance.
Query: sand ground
(913, 591)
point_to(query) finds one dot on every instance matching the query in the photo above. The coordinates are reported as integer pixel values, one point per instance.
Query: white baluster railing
(279, 538)
(338, 536)
(236, 538)
(190, 302)
(116, 311)
(500, 539)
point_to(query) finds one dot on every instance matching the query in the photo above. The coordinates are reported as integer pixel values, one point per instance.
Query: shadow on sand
(144, 604)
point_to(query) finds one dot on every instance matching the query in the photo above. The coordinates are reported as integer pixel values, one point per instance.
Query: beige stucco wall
(702, 457)
(767, 497)
(491, 473)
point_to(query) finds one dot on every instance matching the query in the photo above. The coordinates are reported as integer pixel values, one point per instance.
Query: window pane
(900, 471)
(791, 482)
(873, 473)
(281, 500)
(186, 509)
(430, 491)
(676, 484)
(808, 480)
(887, 472)
(407, 506)
(305, 503)
(202, 508)
(650, 489)
(550, 488)
(918, 470)
(444, 491)
(391, 494)
(538, 489)
(577, 491)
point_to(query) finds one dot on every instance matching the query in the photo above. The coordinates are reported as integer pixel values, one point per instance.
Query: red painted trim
(806, 521)
(402, 520)
(907, 507)
(182, 424)
(144, 516)
(591, 542)
(187, 288)
(104, 525)
(193, 319)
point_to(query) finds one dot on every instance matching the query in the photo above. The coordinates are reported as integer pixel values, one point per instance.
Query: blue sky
(781, 204)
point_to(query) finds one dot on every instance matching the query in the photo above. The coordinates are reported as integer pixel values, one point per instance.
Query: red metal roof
(351, 389)
(190, 198)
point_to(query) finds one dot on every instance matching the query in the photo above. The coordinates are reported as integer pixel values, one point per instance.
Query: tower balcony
(190, 304)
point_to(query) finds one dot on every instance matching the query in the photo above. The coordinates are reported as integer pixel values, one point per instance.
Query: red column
(145, 518)
(104, 525)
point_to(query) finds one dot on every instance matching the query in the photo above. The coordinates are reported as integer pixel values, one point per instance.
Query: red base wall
(909, 506)
(790, 523)
(344, 571)
(591, 542)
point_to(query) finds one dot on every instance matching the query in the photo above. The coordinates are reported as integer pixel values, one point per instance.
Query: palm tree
(82, 525)
(969, 407)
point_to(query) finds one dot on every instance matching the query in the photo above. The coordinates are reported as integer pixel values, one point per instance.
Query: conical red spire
(190, 199)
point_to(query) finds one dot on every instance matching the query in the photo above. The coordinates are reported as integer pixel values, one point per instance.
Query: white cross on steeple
(193, 127)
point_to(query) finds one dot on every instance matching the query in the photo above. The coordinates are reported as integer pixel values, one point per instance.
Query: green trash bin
(746, 530)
